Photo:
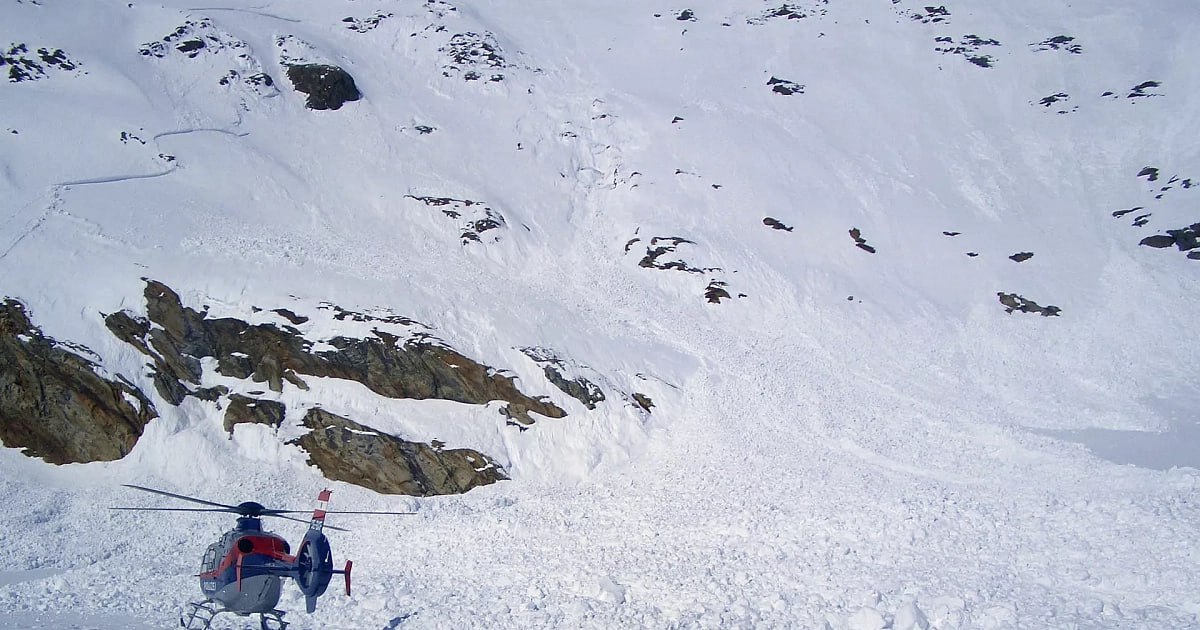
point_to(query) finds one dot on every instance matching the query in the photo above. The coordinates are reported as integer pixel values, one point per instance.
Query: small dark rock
(1013, 302)
(1139, 90)
(290, 316)
(776, 224)
(785, 87)
(715, 292)
(643, 401)
(1022, 256)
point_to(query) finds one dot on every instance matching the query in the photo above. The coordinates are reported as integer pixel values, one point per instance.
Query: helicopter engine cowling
(314, 567)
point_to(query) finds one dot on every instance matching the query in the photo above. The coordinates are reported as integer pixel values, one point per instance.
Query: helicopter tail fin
(346, 573)
(318, 516)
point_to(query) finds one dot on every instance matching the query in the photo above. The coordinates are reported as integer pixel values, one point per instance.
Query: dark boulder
(1158, 241)
(55, 405)
(327, 87)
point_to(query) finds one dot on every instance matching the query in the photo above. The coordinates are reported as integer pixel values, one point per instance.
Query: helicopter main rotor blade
(300, 520)
(180, 496)
(385, 513)
(152, 509)
(269, 512)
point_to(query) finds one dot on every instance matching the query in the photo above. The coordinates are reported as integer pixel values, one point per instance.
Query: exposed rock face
(246, 410)
(327, 87)
(54, 404)
(578, 388)
(347, 451)
(176, 337)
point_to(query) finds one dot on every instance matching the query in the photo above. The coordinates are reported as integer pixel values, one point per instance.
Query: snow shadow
(1176, 447)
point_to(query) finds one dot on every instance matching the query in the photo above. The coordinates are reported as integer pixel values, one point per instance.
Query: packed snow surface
(859, 437)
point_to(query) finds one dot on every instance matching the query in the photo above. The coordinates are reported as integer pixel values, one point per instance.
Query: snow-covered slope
(858, 435)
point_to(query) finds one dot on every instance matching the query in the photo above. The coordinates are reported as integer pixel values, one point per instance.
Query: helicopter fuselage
(242, 570)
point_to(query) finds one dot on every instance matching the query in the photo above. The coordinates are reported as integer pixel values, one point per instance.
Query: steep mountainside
(715, 314)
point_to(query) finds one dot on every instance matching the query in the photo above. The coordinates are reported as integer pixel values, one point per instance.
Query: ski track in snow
(812, 461)
(57, 191)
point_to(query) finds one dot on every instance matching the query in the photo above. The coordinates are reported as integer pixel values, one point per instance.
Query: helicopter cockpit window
(209, 562)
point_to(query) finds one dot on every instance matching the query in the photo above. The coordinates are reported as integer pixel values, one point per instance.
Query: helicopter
(242, 572)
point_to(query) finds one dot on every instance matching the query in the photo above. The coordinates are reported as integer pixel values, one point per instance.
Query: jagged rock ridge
(176, 337)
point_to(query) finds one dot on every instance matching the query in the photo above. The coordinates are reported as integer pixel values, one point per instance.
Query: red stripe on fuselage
(268, 546)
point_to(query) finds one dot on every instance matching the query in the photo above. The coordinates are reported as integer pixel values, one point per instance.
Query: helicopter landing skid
(206, 611)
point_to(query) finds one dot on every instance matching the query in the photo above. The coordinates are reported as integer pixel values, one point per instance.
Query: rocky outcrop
(347, 451)
(246, 410)
(578, 387)
(420, 366)
(55, 405)
(327, 87)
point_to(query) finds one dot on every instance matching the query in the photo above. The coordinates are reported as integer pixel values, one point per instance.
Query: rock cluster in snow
(474, 217)
(24, 65)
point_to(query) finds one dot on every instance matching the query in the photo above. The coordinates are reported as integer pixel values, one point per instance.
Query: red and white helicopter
(242, 573)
